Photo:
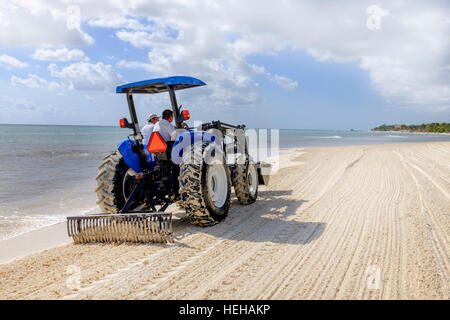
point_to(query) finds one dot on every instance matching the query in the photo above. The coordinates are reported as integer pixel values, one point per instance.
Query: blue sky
(299, 64)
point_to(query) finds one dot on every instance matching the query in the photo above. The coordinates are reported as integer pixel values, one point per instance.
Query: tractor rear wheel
(245, 182)
(205, 186)
(110, 183)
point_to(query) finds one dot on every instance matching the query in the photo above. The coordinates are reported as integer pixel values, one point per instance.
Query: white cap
(151, 116)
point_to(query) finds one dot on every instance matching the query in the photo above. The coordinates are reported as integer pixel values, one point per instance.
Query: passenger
(149, 127)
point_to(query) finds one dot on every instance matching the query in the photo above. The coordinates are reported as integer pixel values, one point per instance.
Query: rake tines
(121, 227)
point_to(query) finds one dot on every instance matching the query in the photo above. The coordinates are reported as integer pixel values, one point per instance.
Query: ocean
(48, 172)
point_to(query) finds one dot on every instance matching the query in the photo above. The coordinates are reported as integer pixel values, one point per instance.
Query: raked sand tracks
(359, 222)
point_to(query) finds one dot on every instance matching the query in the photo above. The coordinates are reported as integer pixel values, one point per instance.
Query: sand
(358, 222)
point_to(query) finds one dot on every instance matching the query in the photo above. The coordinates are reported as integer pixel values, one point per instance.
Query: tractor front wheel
(245, 182)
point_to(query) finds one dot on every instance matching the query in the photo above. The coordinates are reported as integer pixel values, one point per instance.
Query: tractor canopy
(160, 85)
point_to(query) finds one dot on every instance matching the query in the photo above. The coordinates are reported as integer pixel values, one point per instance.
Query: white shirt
(165, 129)
(147, 132)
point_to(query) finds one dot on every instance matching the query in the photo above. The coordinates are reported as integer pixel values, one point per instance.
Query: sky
(275, 64)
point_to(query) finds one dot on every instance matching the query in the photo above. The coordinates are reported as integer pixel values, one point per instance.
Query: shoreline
(32, 242)
(414, 132)
(338, 209)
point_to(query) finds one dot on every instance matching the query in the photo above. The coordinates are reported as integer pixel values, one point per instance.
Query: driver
(165, 127)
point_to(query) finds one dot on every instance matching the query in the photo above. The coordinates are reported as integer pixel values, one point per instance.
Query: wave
(73, 153)
(55, 153)
(394, 136)
(331, 137)
(15, 225)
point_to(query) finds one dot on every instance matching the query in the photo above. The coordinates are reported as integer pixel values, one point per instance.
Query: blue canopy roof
(160, 85)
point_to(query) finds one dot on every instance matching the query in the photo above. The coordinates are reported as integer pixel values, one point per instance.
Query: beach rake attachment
(121, 227)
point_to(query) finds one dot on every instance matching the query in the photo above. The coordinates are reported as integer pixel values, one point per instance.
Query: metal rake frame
(142, 226)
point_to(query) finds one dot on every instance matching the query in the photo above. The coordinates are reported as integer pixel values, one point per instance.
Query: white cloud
(39, 23)
(117, 21)
(405, 53)
(229, 79)
(78, 76)
(138, 39)
(34, 81)
(135, 65)
(392, 50)
(436, 110)
(419, 87)
(63, 54)
(284, 82)
(142, 39)
(11, 62)
(87, 76)
(281, 81)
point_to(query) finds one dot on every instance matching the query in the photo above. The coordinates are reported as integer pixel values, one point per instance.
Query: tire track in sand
(279, 253)
(437, 236)
(236, 257)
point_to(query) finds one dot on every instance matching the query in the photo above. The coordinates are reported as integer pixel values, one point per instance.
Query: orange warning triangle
(156, 143)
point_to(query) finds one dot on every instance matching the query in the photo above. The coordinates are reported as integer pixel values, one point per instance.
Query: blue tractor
(137, 182)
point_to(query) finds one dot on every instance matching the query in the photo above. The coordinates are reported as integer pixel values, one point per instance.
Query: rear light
(185, 114)
(156, 143)
(125, 124)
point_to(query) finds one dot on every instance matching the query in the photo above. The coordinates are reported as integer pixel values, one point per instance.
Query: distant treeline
(429, 127)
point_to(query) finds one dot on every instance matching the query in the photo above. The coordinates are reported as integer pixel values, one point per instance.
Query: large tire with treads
(110, 183)
(205, 189)
(245, 182)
